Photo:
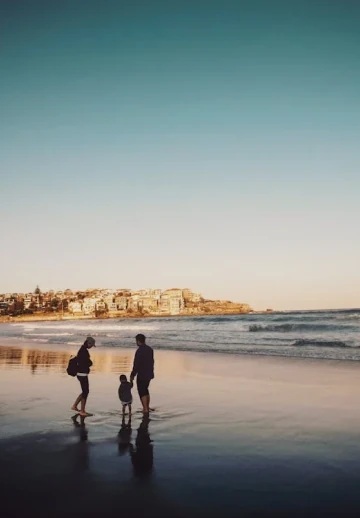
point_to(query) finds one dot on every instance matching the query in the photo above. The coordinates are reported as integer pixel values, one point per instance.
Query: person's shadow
(142, 456)
(124, 436)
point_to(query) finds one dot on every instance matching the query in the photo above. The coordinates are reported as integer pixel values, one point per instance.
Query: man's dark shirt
(143, 363)
(83, 360)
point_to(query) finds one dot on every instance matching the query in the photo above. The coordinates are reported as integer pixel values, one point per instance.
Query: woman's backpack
(72, 367)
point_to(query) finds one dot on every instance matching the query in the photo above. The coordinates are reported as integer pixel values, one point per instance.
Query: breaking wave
(323, 343)
(288, 328)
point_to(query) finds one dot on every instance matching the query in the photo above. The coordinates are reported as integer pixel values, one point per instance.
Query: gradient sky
(212, 145)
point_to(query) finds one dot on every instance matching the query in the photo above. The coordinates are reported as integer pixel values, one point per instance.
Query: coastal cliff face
(216, 307)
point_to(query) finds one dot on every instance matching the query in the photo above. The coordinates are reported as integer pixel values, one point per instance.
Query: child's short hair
(123, 377)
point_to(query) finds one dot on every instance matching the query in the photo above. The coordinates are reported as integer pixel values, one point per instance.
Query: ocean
(331, 334)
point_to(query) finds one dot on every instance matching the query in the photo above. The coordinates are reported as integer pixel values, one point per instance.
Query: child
(125, 393)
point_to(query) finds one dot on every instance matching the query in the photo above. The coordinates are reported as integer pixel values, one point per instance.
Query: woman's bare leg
(83, 412)
(75, 405)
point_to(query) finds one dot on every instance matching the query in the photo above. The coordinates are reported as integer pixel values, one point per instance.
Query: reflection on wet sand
(124, 436)
(79, 423)
(81, 449)
(143, 456)
(105, 360)
(38, 360)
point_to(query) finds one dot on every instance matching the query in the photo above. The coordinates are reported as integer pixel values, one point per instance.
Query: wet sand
(230, 436)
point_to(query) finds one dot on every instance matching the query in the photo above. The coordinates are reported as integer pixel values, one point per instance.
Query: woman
(83, 363)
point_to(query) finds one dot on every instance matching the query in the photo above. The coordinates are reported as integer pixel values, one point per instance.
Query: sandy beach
(230, 436)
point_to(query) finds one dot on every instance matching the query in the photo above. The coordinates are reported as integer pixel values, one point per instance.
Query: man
(143, 370)
(83, 369)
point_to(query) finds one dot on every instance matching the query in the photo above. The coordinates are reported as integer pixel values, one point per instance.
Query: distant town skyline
(102, 303)
(209, 144)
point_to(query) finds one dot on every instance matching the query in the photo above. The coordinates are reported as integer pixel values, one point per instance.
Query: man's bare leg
(145, 400)
(75, 405)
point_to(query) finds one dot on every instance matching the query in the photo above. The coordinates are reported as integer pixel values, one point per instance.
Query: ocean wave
(323, 343)
(220, 318)
(351, 316)
(304, 318)
(345, 311)
(288, 328)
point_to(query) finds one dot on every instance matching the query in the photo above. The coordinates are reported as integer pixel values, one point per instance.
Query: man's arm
(135, 367)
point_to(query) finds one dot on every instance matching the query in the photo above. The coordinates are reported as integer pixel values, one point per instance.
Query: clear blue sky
(212, 145)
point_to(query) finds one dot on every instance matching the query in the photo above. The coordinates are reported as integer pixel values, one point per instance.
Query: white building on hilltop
(75, 307)
(174, 292)
(89, 305)
(121, 303)
(176, 305)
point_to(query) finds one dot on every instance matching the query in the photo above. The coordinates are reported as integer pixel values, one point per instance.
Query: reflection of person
(125, 393)
(81, 426)
(80, 450)
(143, 456)
(125, 436)
(83, 364)
(143, 369)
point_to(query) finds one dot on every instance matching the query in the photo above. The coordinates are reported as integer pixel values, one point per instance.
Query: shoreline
(212, 355)
(58, 317)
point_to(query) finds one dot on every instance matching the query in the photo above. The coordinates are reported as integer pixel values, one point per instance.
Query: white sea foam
(89, 327)
(28, 327)
(48, 334)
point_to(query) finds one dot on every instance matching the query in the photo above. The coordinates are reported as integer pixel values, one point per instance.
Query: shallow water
(230, 436)
(311, 334)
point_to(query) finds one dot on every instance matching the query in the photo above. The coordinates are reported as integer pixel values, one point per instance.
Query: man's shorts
(143, 387)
